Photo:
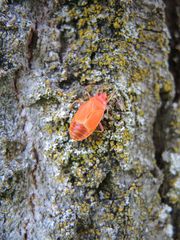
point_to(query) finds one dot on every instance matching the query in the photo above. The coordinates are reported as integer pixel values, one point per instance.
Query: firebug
(88, 117)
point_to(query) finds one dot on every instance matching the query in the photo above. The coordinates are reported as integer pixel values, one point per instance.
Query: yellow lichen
(116, 24)
(139, 74)
(167, 87)
(157, 91)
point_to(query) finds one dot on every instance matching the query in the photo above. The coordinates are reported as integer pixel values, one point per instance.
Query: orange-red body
(88, 117)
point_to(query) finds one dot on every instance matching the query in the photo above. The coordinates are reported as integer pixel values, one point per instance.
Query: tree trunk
(119, 184)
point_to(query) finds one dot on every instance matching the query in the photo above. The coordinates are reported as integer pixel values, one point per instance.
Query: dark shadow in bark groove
(159, 138)
(174, 28)
(31, 43)
(172, 20)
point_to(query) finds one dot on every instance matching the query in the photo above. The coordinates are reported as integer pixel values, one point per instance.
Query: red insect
(88, 117)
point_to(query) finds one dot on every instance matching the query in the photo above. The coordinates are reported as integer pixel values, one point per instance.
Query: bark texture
(119, 184)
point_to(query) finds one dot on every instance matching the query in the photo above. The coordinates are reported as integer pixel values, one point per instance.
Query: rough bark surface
(119, 184)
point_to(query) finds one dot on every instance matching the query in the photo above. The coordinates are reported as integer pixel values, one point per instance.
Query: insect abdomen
(78, 131)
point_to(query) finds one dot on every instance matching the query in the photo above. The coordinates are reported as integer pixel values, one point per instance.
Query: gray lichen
(107, 186)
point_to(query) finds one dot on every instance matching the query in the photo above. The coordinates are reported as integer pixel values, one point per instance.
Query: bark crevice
(173, 20)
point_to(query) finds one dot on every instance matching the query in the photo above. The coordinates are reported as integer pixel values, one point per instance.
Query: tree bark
(119, 184)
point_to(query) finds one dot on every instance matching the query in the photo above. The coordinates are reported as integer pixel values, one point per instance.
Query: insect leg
(80, 101)
(101, 127)
(88, 94)
(113, 95)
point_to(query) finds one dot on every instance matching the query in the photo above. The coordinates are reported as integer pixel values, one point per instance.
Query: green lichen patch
(167, 87)
(82, 165)
(10, 187)
(157, 91)
(139, 74)
(11, 149)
